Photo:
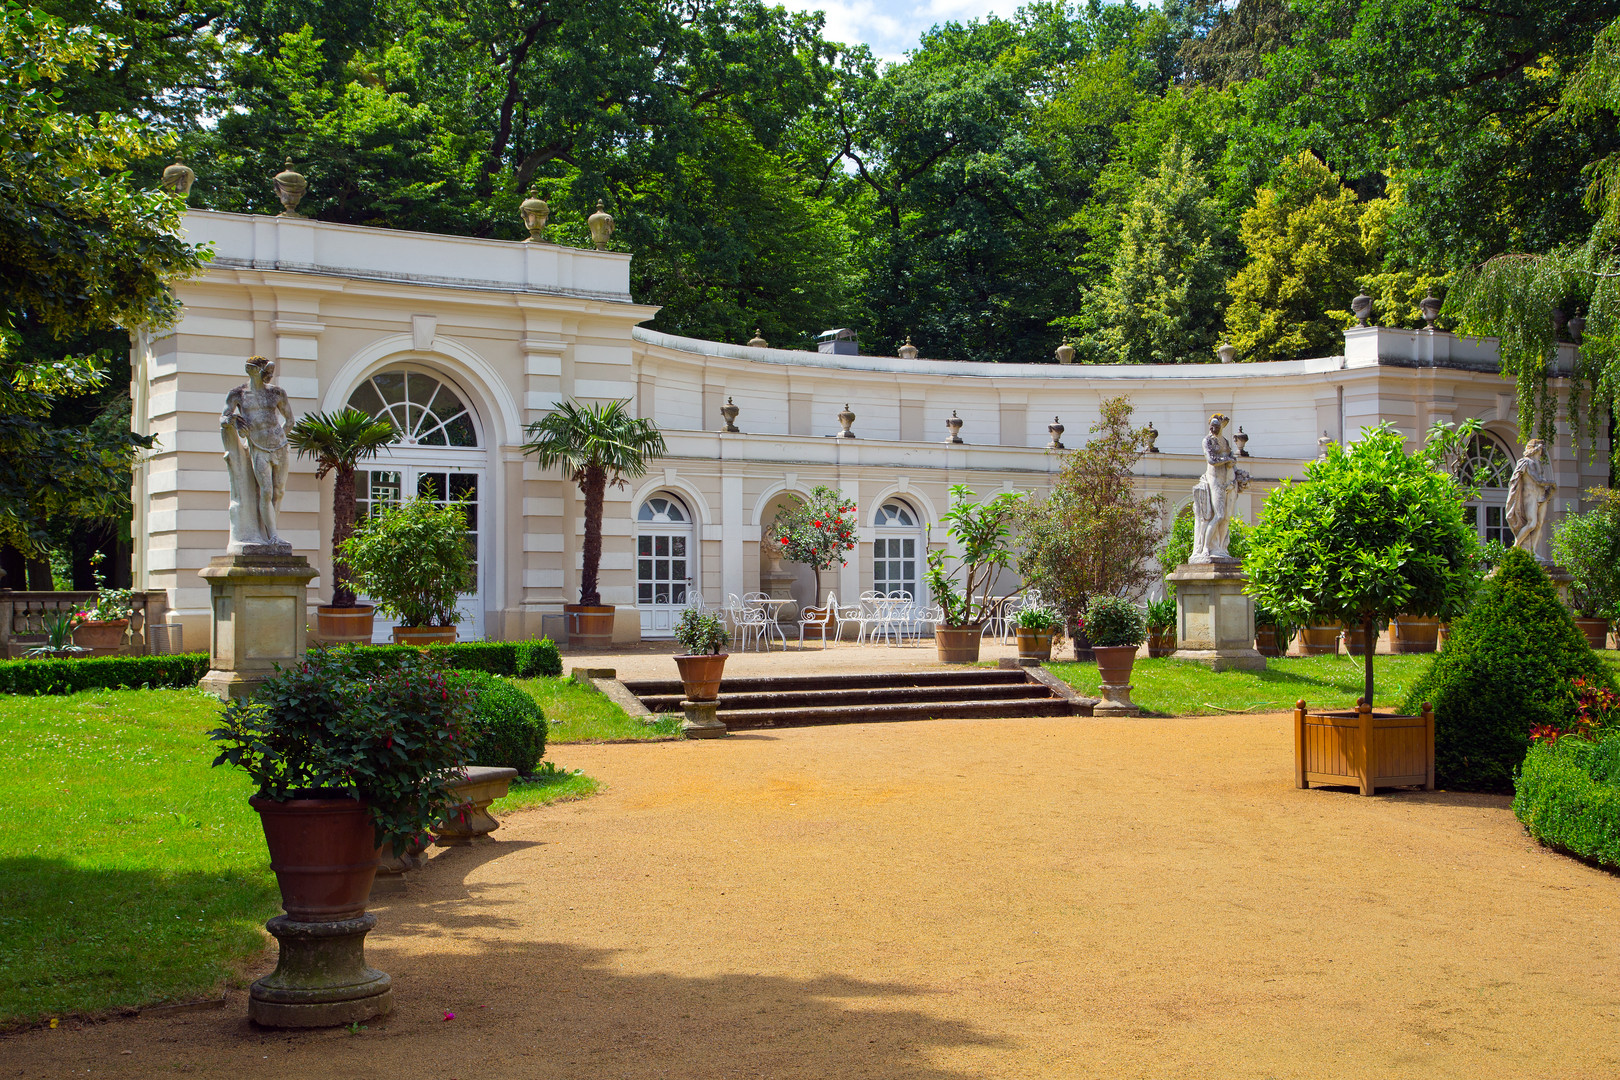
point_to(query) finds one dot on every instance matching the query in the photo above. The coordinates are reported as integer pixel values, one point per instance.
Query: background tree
(594, 446)
(338, 442)
(1093, 534)
(1371, 532)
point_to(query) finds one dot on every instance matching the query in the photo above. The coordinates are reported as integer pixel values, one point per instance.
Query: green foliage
(391, 737)
(1303, 236)
(594, 446)
(1568, 795)
(1508, 667)
(1588, 546)
(338, 442)
(817, 531)
(102, 673)
(507, 728)
(413, 559)
(1093, 533)
(1161, 615)
(1371, 532)
(702, 632)
(58, 638)
(1114, 620)
(1036, 618)
(519, 659)
(982, 532)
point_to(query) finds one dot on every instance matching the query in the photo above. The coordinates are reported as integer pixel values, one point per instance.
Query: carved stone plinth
(701, 721)
(259, 619)
(321, 978)
(469, 817)
(1116, 701)
(1214, 619)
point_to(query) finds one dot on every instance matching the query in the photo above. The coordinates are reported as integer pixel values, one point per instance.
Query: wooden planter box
(1363, 748)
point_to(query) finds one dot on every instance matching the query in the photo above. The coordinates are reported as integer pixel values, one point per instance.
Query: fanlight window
(1486, 465)
(426, 411)
(662, 511)
(896, 514)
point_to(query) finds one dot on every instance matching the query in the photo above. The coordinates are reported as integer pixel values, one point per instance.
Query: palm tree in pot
(338, 442)
(594, 445)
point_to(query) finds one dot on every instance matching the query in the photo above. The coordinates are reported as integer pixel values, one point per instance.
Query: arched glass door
(438, 455)
(1488, 467)
(666, 567)
(895, 551)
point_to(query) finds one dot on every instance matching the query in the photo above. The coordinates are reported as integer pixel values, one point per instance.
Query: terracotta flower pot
(100, 636)
(324, 855)
(957, 644)
(344, 625)
(1033, 645)
(1413, 634)
(1161, 643)
(1265, 641)
(1321, 640)
(1596, 631)
(700, 675)
(589, 627)
(1114, 663)
(424, 635)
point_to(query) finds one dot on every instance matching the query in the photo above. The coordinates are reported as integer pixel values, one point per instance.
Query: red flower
(784, 539)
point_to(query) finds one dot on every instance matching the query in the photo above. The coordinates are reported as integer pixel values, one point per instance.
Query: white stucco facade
(509, 329)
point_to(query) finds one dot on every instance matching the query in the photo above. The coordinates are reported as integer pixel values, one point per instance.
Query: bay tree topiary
(1509, 666)
(1372, 532)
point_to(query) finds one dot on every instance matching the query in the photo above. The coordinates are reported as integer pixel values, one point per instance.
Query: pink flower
(448, 1015)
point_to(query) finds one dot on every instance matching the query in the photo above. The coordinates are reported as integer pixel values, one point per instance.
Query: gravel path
(1017, 898)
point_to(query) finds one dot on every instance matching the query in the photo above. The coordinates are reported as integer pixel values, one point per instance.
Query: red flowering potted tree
(817, 532)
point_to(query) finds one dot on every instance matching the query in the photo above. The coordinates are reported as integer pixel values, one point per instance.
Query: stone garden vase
(958, 644)
(1114, 663)
(700, 675)
(424, 635)
(324, 855)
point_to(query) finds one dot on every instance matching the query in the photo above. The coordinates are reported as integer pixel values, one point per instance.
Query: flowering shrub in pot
(1116, 629)
(817, 532)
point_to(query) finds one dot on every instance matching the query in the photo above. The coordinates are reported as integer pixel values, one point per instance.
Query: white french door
(665, 566)
(387, 487)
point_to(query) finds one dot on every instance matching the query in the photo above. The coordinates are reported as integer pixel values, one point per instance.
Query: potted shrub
(101, 627)
(704, 634)
(414, 560)
(818, 531)
(982, 534)
(1116, 629)
(1034, 627)
(594, 445)
(1587, 545)
(1161, 627)
(58, 638)
(338, 442)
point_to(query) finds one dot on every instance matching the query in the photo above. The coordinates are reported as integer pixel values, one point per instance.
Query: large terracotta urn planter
(344, 625)
(700, 675)
(1265, 641)
(1413, 634)
(100, 637)
(1320, 640)
(424, 635)
(958, 644)
(1034, 646)
(1596, 631)
(589, 627)
(323, 853)
(1161, 643)
(1114, 663)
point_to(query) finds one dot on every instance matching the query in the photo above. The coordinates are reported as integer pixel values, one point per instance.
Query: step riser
(891, 714)
(919, 679)
(897, 695)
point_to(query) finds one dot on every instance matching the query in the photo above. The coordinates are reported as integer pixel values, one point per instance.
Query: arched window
(1488, 466)
(896, 550)
(662, 509)
(666, 570)
(426, 411)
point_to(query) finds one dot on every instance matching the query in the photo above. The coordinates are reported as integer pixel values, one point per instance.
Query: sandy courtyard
(1024, 898)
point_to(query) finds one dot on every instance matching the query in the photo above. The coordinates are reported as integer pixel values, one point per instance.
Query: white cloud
(891, 27)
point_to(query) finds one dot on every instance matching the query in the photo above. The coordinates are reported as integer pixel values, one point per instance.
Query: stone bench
(469, 816)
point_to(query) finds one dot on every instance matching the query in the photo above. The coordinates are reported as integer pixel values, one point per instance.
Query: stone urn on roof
(601, 226)
(290, 187)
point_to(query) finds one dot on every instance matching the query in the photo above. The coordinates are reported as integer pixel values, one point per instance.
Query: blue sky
(891, 27)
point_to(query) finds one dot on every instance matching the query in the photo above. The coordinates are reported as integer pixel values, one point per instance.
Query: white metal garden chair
(822, 622)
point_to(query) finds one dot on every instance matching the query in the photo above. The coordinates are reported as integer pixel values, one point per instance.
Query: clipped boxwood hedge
(1568, 796)
(1509, 665)
(520, 659)
(102, 673)
(509, 729)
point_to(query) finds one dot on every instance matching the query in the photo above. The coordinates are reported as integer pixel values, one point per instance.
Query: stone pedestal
(259, 619)
(1214, 619)
(777, 583)
(1116, 701)
(321, 978)
(469, 817)
(701, 721)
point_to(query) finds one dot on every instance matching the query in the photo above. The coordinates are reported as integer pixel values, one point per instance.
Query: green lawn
(1180, 688)
(577, 713)
(132, 873)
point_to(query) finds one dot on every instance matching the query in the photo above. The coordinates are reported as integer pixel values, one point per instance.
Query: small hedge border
(519, 659)
(1566, 796)
(102, 673)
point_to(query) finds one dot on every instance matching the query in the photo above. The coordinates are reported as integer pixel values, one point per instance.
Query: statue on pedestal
(253, 427)
(1215, 494)
(1529, 500)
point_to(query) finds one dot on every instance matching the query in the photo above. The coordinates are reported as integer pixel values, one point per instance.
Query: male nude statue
(254, 429)
(1529, 500)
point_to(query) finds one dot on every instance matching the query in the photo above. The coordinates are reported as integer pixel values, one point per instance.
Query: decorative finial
(1242, 442)
(1430, 307)
(954, 426)
(601, 226)
(908, 351)
(1055, 429)
(1227, 352)
(1322, 445)
(758, 340)
(1362, 306)
(290, 187)
(177, 178)
(846, 420)
(728, 411)
(1065, 353)
(1152, 434)
(535, 213)
(1577, 328)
